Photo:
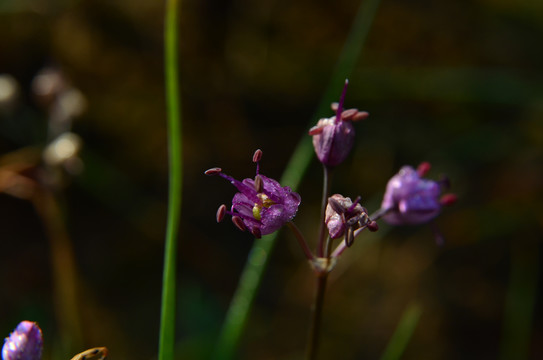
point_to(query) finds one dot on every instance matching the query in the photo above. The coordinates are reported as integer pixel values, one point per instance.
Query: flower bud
(334, 141)
(333, 138)
(25, 343)
(343, 214)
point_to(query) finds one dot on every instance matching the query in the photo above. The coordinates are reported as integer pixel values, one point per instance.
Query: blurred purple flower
(409, 199)
(262, 205)
(333, 138)
(25, 343)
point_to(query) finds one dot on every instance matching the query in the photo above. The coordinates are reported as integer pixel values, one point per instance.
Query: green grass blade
(403, 332)
(240, 306)
(520, 301)
(167, 316)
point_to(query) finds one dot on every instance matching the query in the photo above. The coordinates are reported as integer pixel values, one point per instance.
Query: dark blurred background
(456, 83)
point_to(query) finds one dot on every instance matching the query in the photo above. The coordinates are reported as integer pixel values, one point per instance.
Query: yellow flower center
(264, 202)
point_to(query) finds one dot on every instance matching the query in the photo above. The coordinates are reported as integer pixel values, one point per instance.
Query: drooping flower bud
(409, 199)
(262, 205)
(342, 215)
(333, 138)
(25, 343)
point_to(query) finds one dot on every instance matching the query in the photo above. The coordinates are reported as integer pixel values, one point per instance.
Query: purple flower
(342, 214)
(262, 205)
(333, 138)
(25, 343)
(409, 199)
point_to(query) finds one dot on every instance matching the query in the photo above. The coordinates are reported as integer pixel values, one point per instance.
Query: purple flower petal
(265, 209)
(333, 138)
(341, 214)
(25, 343)
(410, 199)
(334, 143)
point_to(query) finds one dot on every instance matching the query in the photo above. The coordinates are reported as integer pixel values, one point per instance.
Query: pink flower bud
(333, 138)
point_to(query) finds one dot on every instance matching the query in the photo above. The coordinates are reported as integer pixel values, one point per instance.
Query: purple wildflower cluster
(262, 206)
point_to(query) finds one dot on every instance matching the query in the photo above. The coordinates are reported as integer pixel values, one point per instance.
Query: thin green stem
(323, 250)
(324, 201)
(520, 302)
(301, 240)
(167, 318)
(238, 313)
(316, 318)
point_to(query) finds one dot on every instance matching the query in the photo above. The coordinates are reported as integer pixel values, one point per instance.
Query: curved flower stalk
(262, 206)
(24, 343)
(411, 200)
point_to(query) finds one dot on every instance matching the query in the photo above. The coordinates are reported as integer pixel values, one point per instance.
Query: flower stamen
(221, 212)
(239, 223)
(213, 171)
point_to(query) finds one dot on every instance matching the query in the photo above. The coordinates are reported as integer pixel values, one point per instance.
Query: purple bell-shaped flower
(262, 205)
(410, 200)
(333, 138)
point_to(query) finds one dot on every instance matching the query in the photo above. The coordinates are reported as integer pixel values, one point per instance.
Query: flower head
(344, 216)
(262, 205)
(25, 343)
(333, 138)
(409, 199)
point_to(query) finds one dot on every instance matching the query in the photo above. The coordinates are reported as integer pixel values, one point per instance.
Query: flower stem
(323, 251)
(379, 214)
(167, 316)
(324, 202)
(342, 246)
(316, 318)
(301, 240)
(48, 204)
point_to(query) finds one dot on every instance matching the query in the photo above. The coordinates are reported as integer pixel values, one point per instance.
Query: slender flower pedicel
(410, 200)
(24, 343)
(333, 138)
(262, 205)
